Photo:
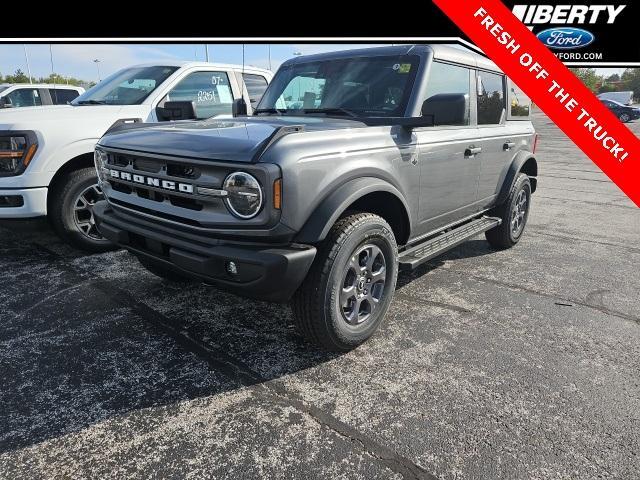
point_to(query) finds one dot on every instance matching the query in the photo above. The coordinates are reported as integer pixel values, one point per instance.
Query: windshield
(359, 86)
(126, 87)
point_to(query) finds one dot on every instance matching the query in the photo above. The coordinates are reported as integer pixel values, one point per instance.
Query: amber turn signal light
(277, 194)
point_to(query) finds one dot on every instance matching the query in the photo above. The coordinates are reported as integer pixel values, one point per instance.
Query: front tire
(514, 214)
(70, 211)
(625, 117)
(349, 288)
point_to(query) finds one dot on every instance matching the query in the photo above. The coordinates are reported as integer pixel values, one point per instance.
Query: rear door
(449, 163)
(496, 143)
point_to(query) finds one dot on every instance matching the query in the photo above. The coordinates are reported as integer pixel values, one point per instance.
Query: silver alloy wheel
(624, 117)
(363, 284)
(518, 213)
(83, 211)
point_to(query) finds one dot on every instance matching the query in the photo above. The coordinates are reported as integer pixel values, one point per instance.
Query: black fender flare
(516, 166)
(334, 205)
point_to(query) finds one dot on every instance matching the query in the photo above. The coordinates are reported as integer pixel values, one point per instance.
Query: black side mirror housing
(239, 107)
(179, 110)
(447, 108)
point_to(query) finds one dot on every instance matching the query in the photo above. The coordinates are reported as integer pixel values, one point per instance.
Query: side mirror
(447, 108)
(5, 102)
(182, 110)
(239, 107)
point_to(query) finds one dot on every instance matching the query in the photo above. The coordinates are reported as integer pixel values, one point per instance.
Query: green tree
(59, 79)
(607, 87)
(588, 76)
(613, 78)
(631, 79)
(17, 77)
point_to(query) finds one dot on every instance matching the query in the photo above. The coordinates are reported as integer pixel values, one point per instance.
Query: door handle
(508, 146)
(472, 151)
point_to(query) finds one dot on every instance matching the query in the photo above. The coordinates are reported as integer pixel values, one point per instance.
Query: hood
(237, 140)
(29, 118)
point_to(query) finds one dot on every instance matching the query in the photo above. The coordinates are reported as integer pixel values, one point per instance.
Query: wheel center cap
(361, 283)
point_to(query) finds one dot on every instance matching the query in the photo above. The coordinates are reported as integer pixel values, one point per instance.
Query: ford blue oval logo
(566, 38)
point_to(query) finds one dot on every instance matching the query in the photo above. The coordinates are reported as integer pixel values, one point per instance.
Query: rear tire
(348, 290)
(70, 211)
(164, 273)
(514, 213)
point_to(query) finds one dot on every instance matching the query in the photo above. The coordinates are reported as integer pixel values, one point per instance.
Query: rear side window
(62, 96)
(448, 93)
(491, 100)
(25, 97)
(519, 104)
(210, 92)
(256, 85)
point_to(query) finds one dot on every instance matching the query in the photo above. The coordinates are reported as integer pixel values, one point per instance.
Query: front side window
(491, 102)
(126, 87)
(210, 92)
(256, 86)
(25, 97)
(359, 86)
(448, 93)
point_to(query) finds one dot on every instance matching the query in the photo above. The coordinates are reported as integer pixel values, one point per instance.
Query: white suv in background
(46, 153)
(14, 95)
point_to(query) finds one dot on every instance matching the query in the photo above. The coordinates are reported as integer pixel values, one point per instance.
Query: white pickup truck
(46, 153)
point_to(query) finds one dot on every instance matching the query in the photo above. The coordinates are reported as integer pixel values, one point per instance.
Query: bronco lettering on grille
(151, 181)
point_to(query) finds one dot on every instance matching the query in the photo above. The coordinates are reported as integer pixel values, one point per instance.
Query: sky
(77, 60)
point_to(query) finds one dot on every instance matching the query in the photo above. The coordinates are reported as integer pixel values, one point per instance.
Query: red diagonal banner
(552, 87)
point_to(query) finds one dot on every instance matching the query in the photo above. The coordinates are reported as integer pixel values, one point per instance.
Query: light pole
(26, 57)
(96, 61)
(206, 51)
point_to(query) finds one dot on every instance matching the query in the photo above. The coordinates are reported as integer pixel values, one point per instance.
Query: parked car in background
(46, 153)
(625, 98)
(624, 112)
(37, 94)
(354, 164)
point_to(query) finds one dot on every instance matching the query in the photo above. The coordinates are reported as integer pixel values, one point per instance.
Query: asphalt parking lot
(516, 364)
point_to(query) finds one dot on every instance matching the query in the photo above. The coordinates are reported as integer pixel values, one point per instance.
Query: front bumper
(34, 202)
(264, 272)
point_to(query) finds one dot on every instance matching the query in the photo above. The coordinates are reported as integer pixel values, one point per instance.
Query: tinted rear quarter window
(62, 96)
(491, 100)
(256, 85)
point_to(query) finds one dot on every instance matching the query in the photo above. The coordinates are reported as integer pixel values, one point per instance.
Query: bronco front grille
(144, 187)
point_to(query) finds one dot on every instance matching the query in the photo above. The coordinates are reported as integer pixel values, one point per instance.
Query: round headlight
(244, 195)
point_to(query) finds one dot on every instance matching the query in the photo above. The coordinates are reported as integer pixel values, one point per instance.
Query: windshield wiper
(332, 111)
(269, 110)
(91, 102)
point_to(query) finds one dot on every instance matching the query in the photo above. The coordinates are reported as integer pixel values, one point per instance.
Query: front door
(449, 152)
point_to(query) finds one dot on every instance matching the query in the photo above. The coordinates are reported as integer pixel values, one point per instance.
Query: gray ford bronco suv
(355, 164)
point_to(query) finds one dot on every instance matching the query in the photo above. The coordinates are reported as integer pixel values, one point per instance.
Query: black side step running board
(411, 258)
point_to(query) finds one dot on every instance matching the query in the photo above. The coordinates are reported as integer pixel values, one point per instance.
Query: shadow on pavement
(84, 339)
